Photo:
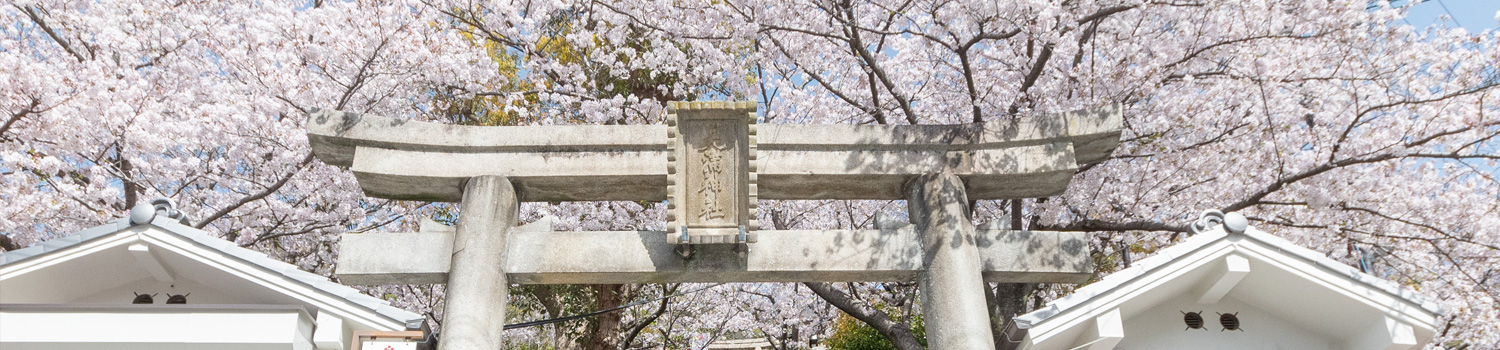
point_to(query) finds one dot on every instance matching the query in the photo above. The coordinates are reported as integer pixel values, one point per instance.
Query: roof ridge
(250, 256)
(1165, 256)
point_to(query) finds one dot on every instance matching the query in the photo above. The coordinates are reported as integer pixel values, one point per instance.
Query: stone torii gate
(711, 163)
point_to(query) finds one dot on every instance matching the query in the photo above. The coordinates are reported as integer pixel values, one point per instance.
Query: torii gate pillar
(952, 284)
(477, 288)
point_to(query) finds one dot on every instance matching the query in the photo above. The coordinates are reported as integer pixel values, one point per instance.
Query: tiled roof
(353, 296)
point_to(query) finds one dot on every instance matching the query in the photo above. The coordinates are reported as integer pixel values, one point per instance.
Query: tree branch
(637, 20)
(1093, 225)
(875, 111)
(642, 324)
(899, 333)
(1106, 12)
(858, 46)
(360, 77)
(37, 18)
(7, 244)
(1434, 229)
(1360, 118)
(257, 196)
(1032, 76)
(284, 234)
(16, 117)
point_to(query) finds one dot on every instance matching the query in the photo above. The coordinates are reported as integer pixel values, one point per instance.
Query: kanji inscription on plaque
(711, 172)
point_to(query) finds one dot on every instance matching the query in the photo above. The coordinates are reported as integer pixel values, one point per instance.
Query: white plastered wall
(1163, 327)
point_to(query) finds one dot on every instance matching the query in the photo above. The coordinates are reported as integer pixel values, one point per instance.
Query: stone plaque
(711, 172)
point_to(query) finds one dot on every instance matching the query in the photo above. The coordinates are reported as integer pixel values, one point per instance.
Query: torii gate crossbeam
(937, 169)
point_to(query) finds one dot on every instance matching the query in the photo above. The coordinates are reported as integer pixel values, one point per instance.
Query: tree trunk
(606, 332)
(1007, 301)
(8, 245)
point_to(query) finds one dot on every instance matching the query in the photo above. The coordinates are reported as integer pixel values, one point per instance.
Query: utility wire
(1450, 13)
(605, 311)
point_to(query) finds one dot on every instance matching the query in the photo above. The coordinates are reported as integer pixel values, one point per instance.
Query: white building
(77, 292)
(1281, 296)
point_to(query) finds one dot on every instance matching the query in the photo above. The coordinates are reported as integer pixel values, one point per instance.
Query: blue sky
(1474, 15)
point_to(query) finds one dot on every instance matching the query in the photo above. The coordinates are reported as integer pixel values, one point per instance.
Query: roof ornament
(1234, 222)
(145, 212)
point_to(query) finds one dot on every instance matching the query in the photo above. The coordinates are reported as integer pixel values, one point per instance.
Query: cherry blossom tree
(1331, 123)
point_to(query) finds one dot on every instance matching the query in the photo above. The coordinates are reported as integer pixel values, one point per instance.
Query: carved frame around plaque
(711, 192)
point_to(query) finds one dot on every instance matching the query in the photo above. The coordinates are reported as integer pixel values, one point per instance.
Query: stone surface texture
(477, 293)
(1027, 157)
(952, 287)
(711, 163)
(538, 256)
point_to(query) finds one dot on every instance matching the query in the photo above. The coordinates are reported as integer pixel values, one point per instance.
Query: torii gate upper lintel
(711, 163)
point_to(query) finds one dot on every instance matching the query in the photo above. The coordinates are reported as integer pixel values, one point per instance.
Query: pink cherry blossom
(1329, 123)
